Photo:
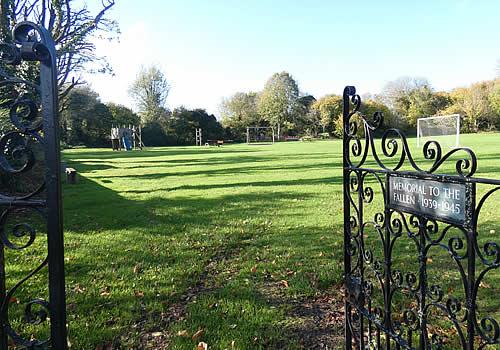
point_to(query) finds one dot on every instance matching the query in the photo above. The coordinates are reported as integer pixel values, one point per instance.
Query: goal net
(260, 134)
(444, 129)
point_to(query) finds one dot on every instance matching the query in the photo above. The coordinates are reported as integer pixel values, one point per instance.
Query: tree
(412, 98)
(73, 28)
(181, 126)
(306, 101)
(98, 126)
(150, 90)
(329, 108)
(179, 129)
(368, 108)
(397, 95)
(123, 115)
(420, 105)
(494, 98)
(424, 102)
(441, 101)
(240, 111)
(307, 120)
(278, 101)
(87, 120)
(312, 121)
(474, 104)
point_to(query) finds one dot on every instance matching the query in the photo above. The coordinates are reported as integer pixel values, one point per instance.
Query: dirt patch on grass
(315, 322)
(312, 322)
(159, 337)
(323, 322)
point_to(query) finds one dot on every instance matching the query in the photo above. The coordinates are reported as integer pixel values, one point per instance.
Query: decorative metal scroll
(419, 271)
(30, 194)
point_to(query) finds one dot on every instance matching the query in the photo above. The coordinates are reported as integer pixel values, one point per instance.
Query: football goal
(444, 129)
(260, 134)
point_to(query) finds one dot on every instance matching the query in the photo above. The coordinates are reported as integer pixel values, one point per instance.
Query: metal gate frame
(29, 101)
(368, 326)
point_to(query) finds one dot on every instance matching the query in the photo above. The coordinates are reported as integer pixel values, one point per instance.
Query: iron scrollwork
(405, 306)
(30, 195)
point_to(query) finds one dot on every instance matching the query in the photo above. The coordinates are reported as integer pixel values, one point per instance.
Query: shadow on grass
(163, 169)
(171, 241)
(303, 182)
(152, 152)
(89, 167)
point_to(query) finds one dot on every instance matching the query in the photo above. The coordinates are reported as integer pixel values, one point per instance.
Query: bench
(71, 175)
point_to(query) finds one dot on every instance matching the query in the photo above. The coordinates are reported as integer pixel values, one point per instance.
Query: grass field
(241, 242)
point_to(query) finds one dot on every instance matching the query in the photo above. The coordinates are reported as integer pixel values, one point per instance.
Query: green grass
(193, 238)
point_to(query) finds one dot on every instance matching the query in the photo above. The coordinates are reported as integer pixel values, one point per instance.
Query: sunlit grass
(206, 231)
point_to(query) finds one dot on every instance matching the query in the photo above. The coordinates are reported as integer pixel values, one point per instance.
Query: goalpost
(444, 129)
(260, 134)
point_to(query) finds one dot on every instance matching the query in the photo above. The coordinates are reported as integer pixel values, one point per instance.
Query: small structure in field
(128, 138)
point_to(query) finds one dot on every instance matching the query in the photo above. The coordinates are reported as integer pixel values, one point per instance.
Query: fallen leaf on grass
(79, 289)
(138, 293)
(254, 269)
(105, 291)
(137, 268)
(198, 334)
(183, 333)
(484, 285)
(284, 283)
(202, 346)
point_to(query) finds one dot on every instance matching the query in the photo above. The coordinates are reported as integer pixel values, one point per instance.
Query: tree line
(86, 121)
(402, 101)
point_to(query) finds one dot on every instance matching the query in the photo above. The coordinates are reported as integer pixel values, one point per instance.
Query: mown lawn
(165, 242)
(146, 230)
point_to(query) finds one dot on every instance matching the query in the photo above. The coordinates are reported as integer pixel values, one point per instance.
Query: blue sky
(211, 49)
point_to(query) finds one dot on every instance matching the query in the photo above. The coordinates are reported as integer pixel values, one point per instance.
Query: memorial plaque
(430, 205)
(442, 200)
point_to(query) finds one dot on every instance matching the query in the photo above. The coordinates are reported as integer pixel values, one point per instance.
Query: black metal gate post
(391, 307)
(347, 211)
(25, 102)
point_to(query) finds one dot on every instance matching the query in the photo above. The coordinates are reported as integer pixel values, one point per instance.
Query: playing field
(241, 242)
(201, 238)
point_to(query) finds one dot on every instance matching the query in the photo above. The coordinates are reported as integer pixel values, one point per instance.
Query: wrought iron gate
(31, 232)
(419, 272)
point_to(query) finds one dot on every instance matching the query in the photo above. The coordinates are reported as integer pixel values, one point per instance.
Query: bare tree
(396, 93)
(72, 25)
